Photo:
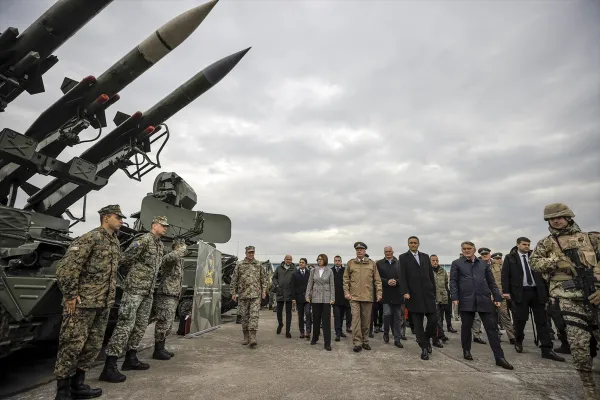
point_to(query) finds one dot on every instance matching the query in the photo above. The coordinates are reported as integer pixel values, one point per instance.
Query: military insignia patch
(210, 270)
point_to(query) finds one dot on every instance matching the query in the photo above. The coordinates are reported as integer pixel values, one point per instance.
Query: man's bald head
(287, 259)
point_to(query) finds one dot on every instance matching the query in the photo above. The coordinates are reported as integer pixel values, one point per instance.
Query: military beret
(497, 255)
(111, 209)
(250, 248)
(484, 250)
(160, 220)
(360, 245)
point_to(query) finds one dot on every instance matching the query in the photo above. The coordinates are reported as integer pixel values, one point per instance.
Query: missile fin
(120, 118)
(29, 188)
(34, 83)
(100, 117)
(68, 84)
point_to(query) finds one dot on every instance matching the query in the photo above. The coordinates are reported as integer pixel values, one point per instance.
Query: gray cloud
(362, 121)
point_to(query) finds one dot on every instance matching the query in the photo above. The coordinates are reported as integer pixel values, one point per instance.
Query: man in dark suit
(417, 286)
(299, 282)
(472, 285)
(392, 299)
(526, 288)
(341, 306)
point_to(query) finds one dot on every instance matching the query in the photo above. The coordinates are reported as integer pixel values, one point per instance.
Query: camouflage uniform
(581, 319)
(505, 320)
(87, 271)
(167, 299)
(249, 283)
(140, 263)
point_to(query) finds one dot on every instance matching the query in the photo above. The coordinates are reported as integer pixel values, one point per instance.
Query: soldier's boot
(564, 347)
(252, 335)
(80, 390)
(132, 362)
(159, 351)
(63, 390)
(246, 338)
(111, 373)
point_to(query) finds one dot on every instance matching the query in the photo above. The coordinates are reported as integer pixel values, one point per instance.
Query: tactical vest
(587, 255)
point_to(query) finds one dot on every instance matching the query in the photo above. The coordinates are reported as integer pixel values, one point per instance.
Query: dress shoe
(424, 354)
(403, 337)
(313, 342)
(377, 329)
(337, 338)
(519, 347)
(551, 355)
(501, 362)
(366, 346)
(439, 344)
(445, 339)
(279, 328)
(467, 355)
(357, 349)
(327, 347)
(479, 340)
(386, 337)
(429, 348)
(342, 334)
(512, 341)
(398, 344)
(564, 348)
(302, 336)
(452, 330)
(348, 330)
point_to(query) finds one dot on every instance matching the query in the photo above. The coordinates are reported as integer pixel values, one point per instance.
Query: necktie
(527, 271)
(337, 269)
(302, 272)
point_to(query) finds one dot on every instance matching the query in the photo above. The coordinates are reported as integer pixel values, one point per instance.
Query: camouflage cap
(111, 209)
(160, 220)
(250, 248)
(557, 210)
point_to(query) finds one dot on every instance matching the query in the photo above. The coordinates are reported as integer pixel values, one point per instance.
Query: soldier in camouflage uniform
(86, 276)
(140, 264)
(248, 286)
(580, 315)
(167, 299)
(503, 315)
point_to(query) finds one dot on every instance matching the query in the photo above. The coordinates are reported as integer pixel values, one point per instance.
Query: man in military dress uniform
(86, 276)
(248, 287)
(167, 299)
(503, 315)
(361, 279)
(140, 264)
(549, 258)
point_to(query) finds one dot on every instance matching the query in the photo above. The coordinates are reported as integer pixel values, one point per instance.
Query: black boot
(80, 390)
(551, 355)
(63, 390)
(110, 373)
(132, 362)
(159, 351)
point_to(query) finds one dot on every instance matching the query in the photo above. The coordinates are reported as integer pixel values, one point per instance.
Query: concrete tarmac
(216, 366)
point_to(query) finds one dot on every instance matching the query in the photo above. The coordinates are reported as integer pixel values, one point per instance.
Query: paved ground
(216, 366)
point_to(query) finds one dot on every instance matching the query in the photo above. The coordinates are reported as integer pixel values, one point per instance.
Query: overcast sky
(360, 120)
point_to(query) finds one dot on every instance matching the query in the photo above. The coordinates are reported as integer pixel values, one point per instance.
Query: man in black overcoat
(417, 285)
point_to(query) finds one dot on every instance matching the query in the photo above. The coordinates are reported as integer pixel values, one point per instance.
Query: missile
(56, 197)
(25, 58)
(84, 103)
(143, 56)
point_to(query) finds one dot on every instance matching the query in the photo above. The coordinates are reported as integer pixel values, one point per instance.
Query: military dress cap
(160, 220)
(360, 245)
(111, 209)
(250, 248)
(484, 250)
(497, 255)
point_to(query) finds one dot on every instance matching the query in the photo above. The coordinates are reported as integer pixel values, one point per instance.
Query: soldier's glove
(595, 298)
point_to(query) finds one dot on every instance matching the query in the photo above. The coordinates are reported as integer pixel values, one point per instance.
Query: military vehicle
(35, 233)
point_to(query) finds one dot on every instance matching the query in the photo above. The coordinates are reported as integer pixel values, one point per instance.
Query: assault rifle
(584, 278)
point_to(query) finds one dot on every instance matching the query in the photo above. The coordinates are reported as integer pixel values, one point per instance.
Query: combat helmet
(557, 210)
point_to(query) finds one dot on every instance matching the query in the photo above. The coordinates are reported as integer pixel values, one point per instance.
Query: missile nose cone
(217, 71)
(174, 32)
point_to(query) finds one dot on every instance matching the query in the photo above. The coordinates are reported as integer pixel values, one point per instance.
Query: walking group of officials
(552, 273)
(479, 287)
(86, 276)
